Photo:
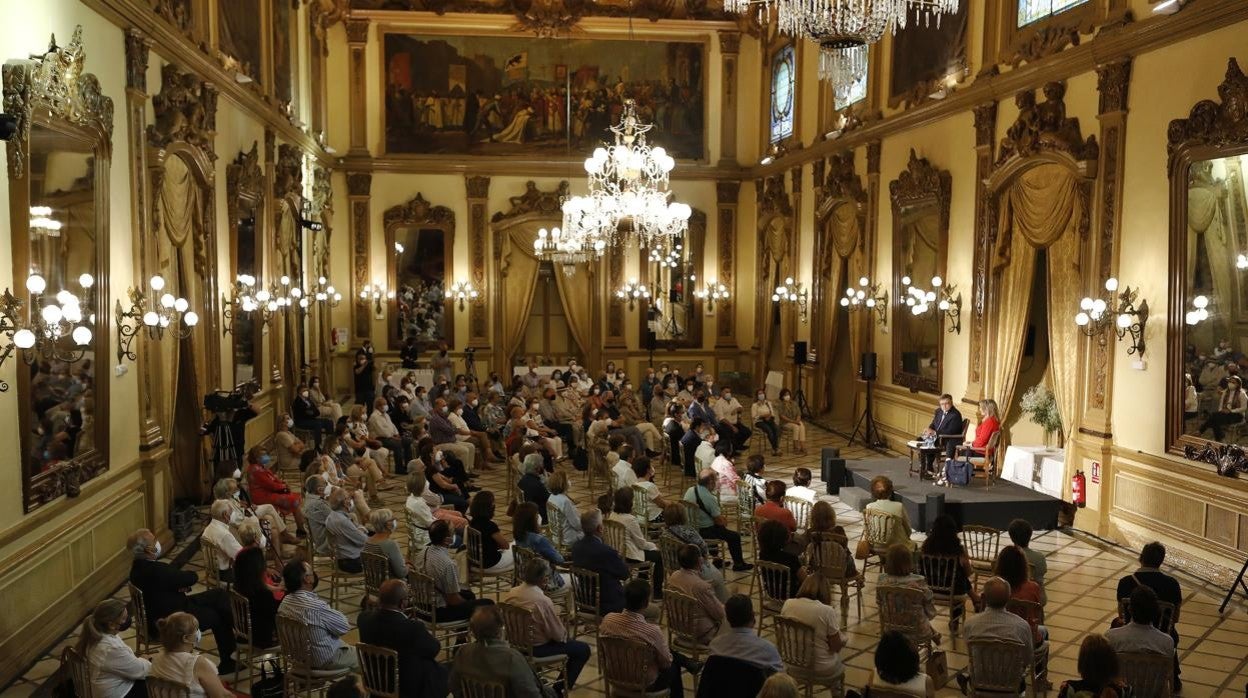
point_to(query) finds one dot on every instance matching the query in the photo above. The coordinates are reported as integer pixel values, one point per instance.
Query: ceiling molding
(503, 166)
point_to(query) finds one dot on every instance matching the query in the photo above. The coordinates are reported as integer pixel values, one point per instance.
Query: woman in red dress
(990, 425)
(266, 487)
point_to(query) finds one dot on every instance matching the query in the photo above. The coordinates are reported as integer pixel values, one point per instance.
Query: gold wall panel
(1153, 501)
(1221, 525)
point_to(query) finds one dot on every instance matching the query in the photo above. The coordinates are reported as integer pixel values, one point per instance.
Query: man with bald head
(446, 437)
(995, 622)
(349, 537)
(420, 674)
(708, 519)
(218, 533)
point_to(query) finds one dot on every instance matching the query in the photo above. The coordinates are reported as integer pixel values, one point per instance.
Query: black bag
(269, 685)
(958, 472)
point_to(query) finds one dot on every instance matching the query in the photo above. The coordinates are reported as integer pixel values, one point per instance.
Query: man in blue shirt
(710, 522)
(740, 642)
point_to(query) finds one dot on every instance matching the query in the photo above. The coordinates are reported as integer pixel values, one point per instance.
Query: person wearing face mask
(674, 426)
(633, 414)
(764, 416)
(420, 407)
(218, 533)
(791, 418)
(316, 510)
(358, 438)
(387, 625)
(689, 445)
(382, 542)
(179, 661)
(328, 409)
(442, 363)
(536, 429)
(288, 447)
(382, 428)
(619, 426)
(114, 669)
(650, 385)
(548, 409)
(266, 487)
(446, 437)
(326, 626)
(306, 416)
(163, 588)
(689, 393)
(463, 434)
(348, 536)
(365, 374)
(728, 413)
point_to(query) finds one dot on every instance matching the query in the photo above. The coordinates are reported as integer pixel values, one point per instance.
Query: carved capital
(795, 179)
(138, 47)
(478, 186)
(359, 183)
(288, 179)
(873, 158)
(1212, 123)
(1113, 80)
(727, 192)
(729, 42)
(985, 124)
(357, 31)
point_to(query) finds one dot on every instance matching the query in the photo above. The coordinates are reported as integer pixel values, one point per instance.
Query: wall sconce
(868, 296)
(713, 291)
(794, 292)
(1200, 311)
(243, 304)
(305, 218)
(325, 294)
(632, 291)
(54, 322)
(1095, 314)
(462, 291)
(942, 299)
(155, 313)
(377, 293)
(398, 248)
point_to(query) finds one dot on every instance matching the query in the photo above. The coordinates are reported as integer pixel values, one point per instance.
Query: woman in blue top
(525, 528)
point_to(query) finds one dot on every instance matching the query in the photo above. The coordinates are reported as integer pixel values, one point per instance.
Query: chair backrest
(475, 688)
(555, 521)
(774, 582)
(827, 556)
(332, 541)
(212, 558)
(941, 572)
(586, 591)
(796, 642)
(380, 668)
(981, 542)
(421, 597)
(692, 511)
(998, 665)
(240, 611)
(417, 537)
(641, 504)
(879, 526)
(683, 613)
(1165, 614)
(376, 572)
(164, 688)
(745, 497)
(615, 535)
(1149, 673)
(138, 611)
(476, 555)
(625, 663)
(1029, 611)
(521, 630)
(79, 672)
(801, 509)
(669, 550)
(522, 557)
(295, 639)
(903, 609)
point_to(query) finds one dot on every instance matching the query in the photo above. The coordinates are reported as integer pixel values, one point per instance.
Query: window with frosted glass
(1034, 10)
(783, 84)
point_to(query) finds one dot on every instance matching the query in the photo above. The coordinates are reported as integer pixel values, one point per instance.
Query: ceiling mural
(504, 95)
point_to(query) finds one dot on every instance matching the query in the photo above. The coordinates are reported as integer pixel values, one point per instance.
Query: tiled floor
(1083, 576)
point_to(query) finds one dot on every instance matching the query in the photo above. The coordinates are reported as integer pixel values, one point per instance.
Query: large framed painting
(283, 49)
(238, 27)
(924, 54)
(501, 95)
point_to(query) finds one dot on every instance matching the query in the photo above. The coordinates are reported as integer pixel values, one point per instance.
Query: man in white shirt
(218, 533)
(801, 486)
(381, 427)
(550, 637)
(704, 455)
(727, 411)
(996, 623)
(643, 471)
(622, 471)
(463, 432)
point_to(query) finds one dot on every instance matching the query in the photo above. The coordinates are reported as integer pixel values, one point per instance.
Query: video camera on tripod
(225, 400)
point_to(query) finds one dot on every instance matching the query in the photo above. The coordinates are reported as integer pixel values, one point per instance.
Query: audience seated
(1098, 672)
(328, 409)
(446, 437)
(790, 415)
(114, 670)
(801, 486)
(457, 416)
(773, 540)
(631, 622)
(558, 485)
(823, 527)
(449, 483)
(360, 439)
(727, 410)
(633, 414)
(381, 543)
(644, 473)
(995, 622)
(532, 483)
(1020, 534)
(288, 447)
(265, 487)
(755, 478)
(773, 509)
(637, 548)
(453, 602)
(489, 658)
(678, 527)
(550, 636)
(899, 572)
(688, 581)
(897, 668)
(495, 548)
(708, 520)
(227, 489)
(622, 475)
(382, 428)
(306, 415)
(690, 442)
(779, 686)
(1139, 635)
(387, 625)
(725, 468)
(1166, 587)
(251, 579)
(763, 414)
(326, 626)
(740, 641)
(179, 662)
(526, 529)
(812, 606)
(316, 512)
(943, 540)
(349, 536)
(218, 533)
(593, 554)
(882, 501)
(164, 592)
(1011, 565)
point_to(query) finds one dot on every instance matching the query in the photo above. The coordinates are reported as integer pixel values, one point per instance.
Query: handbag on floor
(958, 472)
(937, 668)
(863, 550)
(269, 685)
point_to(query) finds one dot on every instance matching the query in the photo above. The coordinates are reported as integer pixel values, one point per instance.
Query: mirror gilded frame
(1213, 130)
(919, 191)
(689, 264)
(420, 215)
(52, 92)
(244, 184)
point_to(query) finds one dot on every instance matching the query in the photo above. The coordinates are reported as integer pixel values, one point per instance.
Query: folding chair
(796, 642)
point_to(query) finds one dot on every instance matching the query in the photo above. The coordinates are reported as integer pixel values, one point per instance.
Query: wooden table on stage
(917, 448)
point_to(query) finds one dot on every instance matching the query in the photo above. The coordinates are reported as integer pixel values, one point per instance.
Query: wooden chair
(773, 590)
(904, 609)
(422, 606)
(692, 511)
(586, 600)
(982, 543)
(642, 510)
(164, 688)
(248, 653)
(1029, 611)
(683, 613)
(998, 668)
(1149, 673)
(417, 536)
(879, 529)
(485, 580)
(295, 638)
(985, 466)
(615, 535)
(796, 642)
(943, 442)
(745, 509)
(143, 642)
(625, 665)
(79, 672)
(1165, 614)
(340, 581)
(380, 668)
(942, 573)
(376, 572)
(557, 522)
(801, 510)
(669, 550)
(472, 688)
(212, 559)
(521, 630)
(829, 557)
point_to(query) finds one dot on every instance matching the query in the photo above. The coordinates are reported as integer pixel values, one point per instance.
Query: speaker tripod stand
(866, 423)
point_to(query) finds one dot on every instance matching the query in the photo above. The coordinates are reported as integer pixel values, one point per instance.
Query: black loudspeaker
(799, 353)
(866, 370)
(833, 470)
(934, 506)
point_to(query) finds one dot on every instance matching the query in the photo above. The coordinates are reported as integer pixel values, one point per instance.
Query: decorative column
(359, 184)
(357, 41)
(269, 253)
(729, 46)
(791, 324)
(985, 140)
(615, 338)
(873, 204)
(727, 194)
(478, 207)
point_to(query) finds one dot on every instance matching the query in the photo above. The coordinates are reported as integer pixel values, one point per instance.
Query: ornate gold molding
(1212, 124)
(323, 14)
(418, 212)
(137, 48)
(478, 191)
(841, 182)
(359, 183)
(985, 140)
(1045, 126)
(288, 173)
(244, 181)
(185, 111)
(773, 199)
(533, 200)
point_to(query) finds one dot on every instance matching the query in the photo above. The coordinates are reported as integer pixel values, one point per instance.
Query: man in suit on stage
(947, 427)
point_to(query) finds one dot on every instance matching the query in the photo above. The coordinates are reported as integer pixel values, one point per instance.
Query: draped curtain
(180, 216)
(841, 235)
(1205, 221)
(1042, 208)
(772, 239)
(577, 293)
(519, 268)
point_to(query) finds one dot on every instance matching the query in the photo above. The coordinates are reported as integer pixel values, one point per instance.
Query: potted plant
(1038, 402)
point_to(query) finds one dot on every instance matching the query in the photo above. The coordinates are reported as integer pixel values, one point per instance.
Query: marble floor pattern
(1082, 579)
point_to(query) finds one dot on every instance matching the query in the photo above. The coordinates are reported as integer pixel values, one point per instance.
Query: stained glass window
(1033, 10)
(783, 86)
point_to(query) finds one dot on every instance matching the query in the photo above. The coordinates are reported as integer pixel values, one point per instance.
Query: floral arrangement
(1038, 402)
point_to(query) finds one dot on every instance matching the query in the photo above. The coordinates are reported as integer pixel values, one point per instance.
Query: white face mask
(237, 473)
(460, 412)
(385, 408)
(158, 549)
(338, 449)
(785, 398)
(304, 395)
(199, 637)
(289, 422)
(762, 396)
(238, 496)
(236, 517)
(474, 403)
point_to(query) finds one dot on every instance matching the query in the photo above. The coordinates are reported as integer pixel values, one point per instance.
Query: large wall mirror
(920, 198)
(245, 189)
(59, 206)
(669, 272)
(421, 238)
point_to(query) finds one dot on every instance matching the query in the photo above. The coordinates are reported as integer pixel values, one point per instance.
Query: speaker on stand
(800, 357)
(866, 423)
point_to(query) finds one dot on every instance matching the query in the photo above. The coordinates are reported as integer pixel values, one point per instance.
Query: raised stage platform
(976, 503)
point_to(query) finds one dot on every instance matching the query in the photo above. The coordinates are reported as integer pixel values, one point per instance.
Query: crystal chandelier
(844, 28)
(629, 200)
(566, 250)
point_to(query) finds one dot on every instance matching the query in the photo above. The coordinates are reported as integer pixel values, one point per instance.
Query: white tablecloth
(1035, 467)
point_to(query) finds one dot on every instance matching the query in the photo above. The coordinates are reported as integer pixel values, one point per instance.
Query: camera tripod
(870, 432)
(799, 396)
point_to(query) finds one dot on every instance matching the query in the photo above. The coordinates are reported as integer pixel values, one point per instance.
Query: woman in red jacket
(265, 487)
(989, 425)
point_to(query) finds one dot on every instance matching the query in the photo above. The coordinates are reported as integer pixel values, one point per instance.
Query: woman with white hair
(383, 525)
(532, 483)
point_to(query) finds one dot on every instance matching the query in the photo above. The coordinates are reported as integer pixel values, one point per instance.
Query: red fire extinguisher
(1079, 489)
